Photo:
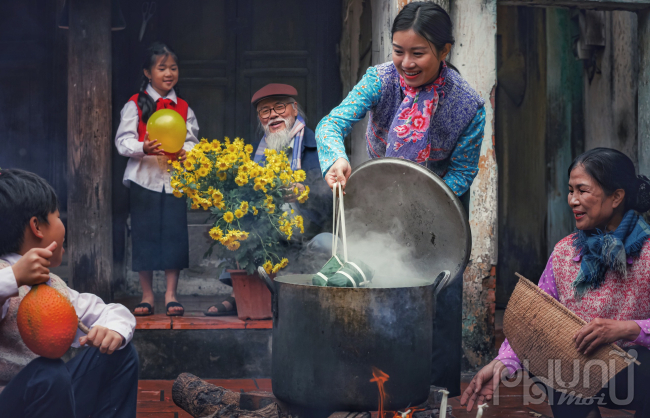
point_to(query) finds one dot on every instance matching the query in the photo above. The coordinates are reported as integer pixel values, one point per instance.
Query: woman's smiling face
(591, 206)
(416, 59)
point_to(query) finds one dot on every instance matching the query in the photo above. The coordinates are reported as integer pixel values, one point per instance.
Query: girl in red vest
(158, 219)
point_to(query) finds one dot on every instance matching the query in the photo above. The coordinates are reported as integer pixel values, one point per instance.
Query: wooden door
(33, 90)
(291, 42)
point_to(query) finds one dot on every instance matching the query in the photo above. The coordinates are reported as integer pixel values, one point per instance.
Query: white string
(342, 222)
(324, 277)
(365, 281)
(335, 231)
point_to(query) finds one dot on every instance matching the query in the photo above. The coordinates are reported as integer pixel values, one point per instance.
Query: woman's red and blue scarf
(408, 136)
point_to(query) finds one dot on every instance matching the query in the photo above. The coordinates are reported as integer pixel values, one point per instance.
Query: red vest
(180, 106)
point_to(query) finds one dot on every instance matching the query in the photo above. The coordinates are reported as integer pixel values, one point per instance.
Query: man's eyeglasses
(279, 109)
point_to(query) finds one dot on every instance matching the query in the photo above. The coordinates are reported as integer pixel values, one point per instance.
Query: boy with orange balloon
(157, 126)
(31, 243)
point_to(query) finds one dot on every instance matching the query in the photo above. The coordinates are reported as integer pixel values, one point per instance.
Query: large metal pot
(326, 340)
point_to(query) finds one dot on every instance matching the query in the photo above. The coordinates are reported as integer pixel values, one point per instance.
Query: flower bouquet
(244, 200)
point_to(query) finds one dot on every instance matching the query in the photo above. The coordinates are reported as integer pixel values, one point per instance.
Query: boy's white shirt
(148, 171)
(90, 309)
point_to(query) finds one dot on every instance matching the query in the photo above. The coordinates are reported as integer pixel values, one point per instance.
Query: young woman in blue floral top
(420, 108)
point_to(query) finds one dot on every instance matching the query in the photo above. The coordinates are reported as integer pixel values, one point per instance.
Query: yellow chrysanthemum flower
(299, 175)
(254, 210)
(284, 262)
(219, 205)
(222, 176)
(268, 266)
(249, 149)
(241, 180)
(257, 187)
(206, 147)
(228, 217)
(233, 246)
(304, 195)
(188, 165)
(222, 165)
(216, 233)
(178, 193)
(244, 206)
(276, 268)
(203, 171)
(239, 213)
(298, 222)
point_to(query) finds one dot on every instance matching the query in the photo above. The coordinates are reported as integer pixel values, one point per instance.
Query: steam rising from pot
(393, 261)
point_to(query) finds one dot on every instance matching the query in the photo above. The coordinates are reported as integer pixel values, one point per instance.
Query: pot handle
(274, 295)
(266, 279)
(442, 281)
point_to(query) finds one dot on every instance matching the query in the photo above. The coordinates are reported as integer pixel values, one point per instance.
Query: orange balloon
(167, 127)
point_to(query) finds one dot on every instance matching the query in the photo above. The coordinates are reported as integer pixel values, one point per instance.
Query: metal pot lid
(432, 221)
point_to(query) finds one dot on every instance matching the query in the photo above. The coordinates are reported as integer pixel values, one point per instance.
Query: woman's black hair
(428, 20)
(22, 196)
(145, 102)
(614, 170)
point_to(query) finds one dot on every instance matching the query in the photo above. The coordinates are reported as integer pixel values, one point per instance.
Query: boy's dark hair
(22, 196)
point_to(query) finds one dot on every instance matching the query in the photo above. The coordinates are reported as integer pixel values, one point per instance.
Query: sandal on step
(144, 305)
(171, 305)
(222, 310)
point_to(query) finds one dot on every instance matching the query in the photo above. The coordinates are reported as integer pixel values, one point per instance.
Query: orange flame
(381, 378)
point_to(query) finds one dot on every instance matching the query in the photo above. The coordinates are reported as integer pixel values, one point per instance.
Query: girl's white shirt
(148, 171)
(90, 309)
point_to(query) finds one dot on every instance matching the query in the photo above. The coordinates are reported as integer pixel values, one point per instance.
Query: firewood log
(199, 398)
(204, 400)
(230, 411)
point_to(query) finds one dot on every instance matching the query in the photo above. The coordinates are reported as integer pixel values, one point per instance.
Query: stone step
(210, 347)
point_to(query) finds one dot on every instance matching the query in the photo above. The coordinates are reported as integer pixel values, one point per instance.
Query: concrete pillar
(475, 56)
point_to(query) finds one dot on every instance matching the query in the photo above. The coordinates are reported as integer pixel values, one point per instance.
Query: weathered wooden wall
(564, 123)
(643, 112)
(520, 143)
(611, 96)
(539, 131)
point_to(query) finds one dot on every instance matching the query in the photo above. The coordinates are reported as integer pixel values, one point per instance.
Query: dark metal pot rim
(303, 280)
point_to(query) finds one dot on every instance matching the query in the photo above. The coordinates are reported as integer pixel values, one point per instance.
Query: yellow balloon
(167, 127)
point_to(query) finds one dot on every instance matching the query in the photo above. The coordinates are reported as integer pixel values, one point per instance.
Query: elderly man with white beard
(283, 123)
